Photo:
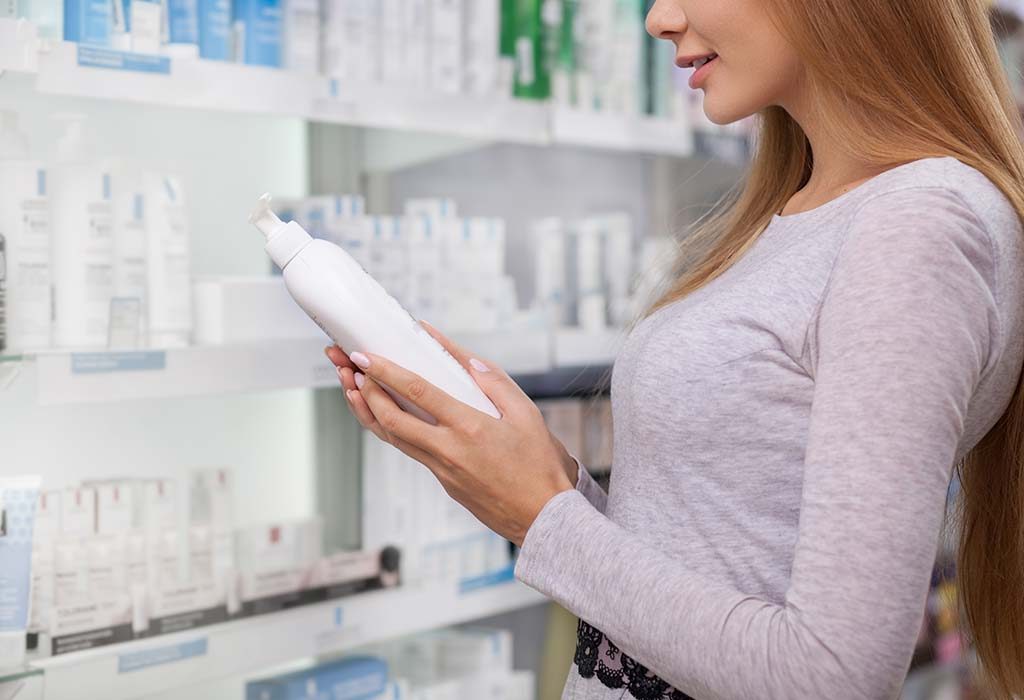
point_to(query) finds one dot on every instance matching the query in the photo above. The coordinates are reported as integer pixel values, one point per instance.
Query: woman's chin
(722, 114)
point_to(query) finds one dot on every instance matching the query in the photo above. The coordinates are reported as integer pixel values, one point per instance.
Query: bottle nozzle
(264, 218)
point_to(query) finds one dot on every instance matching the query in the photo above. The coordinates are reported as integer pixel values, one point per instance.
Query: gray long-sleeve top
(783, 442)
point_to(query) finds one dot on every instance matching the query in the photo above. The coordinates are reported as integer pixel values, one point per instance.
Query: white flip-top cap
(284, 240)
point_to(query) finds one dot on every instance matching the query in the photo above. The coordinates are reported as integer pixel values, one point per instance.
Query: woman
(788, 416)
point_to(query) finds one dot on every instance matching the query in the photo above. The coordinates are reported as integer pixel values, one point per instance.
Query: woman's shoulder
(943, 191)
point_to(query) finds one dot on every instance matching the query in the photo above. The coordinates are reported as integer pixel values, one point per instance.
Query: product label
(95, 57)
(89, 625)
(185, 607)
(138, 660)
(214, 30)
(101, 362)
(494, 578)
(182, 20)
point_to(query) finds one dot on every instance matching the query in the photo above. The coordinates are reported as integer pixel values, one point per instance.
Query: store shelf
(542, 363)
(162, 664)
(67, 69)
(641, 134)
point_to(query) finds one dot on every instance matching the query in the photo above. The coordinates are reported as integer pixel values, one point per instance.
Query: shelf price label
(172, 653)
(99, 57)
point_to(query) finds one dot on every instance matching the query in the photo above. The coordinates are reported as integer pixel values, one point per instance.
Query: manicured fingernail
(348, 394)
(338, 370)
(478, 365)
(327, 351)
(425, 322)
(360, 378)
(360, 359)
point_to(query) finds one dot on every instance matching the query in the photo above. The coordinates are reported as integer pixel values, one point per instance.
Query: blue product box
(259, 32)
(215, 29)
(183, 21)
(88, 21)
(353, 678)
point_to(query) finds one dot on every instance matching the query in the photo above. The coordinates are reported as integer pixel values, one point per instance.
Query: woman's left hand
(504, 471)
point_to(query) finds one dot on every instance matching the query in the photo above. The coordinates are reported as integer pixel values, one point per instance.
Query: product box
(258, 32)
(276, 564)
(211, 495)
(183, 24)
(237, 310)
(355, 678)
(144, 23)
(446, 45)
(481, 46)
(215, 30)
(88, 22)
(302, 35)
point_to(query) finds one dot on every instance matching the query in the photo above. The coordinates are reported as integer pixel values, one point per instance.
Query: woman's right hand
(347, 373)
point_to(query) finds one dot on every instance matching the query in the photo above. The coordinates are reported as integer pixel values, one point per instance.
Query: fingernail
(360, 359)
(425, 322)
(348, 394)
(338, 370)
(478, 365)
(327, 351)
(360, 378)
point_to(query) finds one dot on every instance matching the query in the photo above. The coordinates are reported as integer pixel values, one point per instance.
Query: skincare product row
(403, 505)
(120, 559)
(472, 663)
(95, 253)
(349, 678)
(585, 271)
(439, 266)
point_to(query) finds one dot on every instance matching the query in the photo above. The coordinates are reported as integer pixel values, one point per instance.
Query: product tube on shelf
(258, 32)
(18, 498)
(83, 246)
(481, 45)
(25, 278)
(44, 539)
(145, 19)
(168, 265)
(129, 308)
(302, 35)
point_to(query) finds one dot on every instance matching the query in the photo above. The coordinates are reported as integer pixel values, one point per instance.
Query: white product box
(231, 310)
(446, 45)
(211, 496)
(78, 512)
(302, 35)
(116, 509)
(482, 36)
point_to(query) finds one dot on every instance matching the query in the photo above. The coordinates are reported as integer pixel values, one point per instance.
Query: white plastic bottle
(25, 236)
(168, 266)
(83, 244)
(355, 311)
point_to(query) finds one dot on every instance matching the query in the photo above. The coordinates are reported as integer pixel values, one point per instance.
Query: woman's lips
(700, 76)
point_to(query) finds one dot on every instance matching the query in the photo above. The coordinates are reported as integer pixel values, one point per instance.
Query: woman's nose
(666, 20)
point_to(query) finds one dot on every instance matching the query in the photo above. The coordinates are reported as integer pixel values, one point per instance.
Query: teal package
(215, 29)
(88, 21)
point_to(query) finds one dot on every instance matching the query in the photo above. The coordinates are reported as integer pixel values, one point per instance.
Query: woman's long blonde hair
(904, 80)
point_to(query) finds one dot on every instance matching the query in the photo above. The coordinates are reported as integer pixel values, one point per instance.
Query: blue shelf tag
(138, 660)
(494, 578)
(128, 361)
(99, 57)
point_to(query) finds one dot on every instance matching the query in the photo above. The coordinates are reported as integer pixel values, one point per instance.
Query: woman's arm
(902, 338)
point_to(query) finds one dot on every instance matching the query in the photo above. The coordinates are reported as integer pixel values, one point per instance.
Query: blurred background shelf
(162, 664)
(545, 366)
(68, 69)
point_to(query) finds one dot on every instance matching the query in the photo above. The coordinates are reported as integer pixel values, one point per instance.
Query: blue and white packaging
(88, 21)
(215, 42)
(183, 25)
(354, 678)
(144, 24)
(258, 32)
(18, 498)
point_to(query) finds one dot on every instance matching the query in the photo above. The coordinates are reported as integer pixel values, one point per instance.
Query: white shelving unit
(142, 668)
(63, 377)
(65, 68)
